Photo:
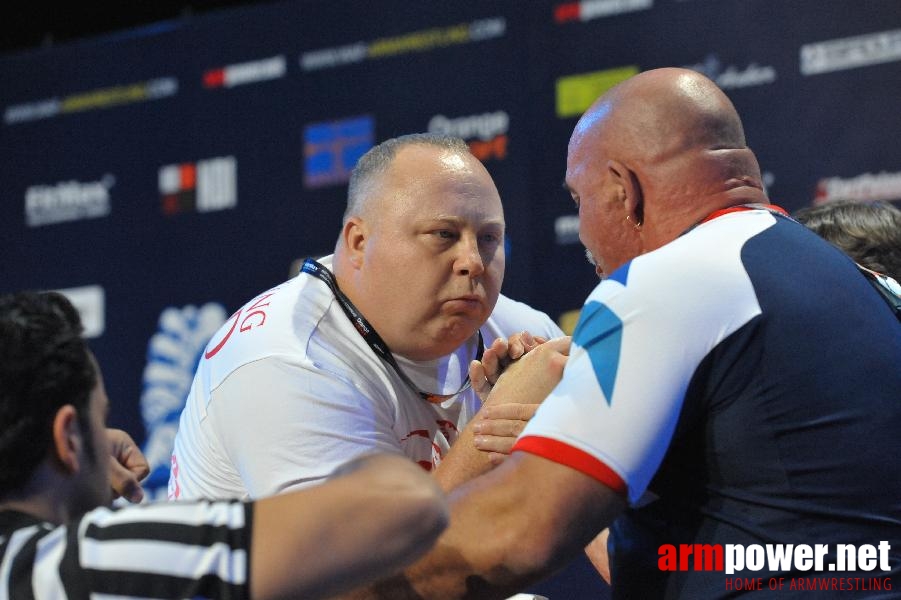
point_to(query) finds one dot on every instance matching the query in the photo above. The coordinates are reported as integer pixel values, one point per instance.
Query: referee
(60, 539)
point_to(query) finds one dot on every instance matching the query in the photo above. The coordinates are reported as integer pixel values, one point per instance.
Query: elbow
(527, 550)
(425, 515)
(537, 553)
(429, 515)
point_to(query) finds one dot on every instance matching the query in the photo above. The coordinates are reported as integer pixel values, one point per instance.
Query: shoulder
(511, 316)
(702, 268)
(694, 287)
(280, 319)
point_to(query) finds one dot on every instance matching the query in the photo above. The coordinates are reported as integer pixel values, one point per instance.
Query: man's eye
(446, 234)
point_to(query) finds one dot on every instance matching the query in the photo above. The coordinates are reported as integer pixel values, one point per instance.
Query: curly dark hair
(44, 365)
(868, 232)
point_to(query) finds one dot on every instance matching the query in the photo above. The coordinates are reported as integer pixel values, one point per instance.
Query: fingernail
(477, 428)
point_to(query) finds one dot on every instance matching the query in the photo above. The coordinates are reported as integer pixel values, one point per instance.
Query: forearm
(510, 528)
(544, 367)
(485, 558)
(457, 565)
(463, 461)
(373, 519)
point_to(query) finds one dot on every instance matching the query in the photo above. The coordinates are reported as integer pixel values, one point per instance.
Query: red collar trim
(743, 207)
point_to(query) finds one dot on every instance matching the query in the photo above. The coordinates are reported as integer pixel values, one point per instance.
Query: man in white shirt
(367, 349)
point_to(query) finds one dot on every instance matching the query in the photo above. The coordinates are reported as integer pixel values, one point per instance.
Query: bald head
(661, 151)
(661, 114)
(377, 161)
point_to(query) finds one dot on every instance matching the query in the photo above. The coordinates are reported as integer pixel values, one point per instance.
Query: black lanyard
(375, 341)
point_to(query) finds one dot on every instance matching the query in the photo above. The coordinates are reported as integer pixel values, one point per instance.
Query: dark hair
(44, 365)
(378, 158)
(868, 232)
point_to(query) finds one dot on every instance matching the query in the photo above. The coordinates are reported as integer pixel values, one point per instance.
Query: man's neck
(36, 509)
(44, 496)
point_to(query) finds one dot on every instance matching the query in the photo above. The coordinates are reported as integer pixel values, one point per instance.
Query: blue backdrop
(164, 176)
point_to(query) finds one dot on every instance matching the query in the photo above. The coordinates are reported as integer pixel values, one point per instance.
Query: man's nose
(469, 262)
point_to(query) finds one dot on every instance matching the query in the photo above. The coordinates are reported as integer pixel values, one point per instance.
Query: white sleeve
(283, 425)
(511, 317)
(639, 340)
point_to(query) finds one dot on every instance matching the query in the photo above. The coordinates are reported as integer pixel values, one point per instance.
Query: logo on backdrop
(566, 230)
(90, 302)
(731, 77)
(172, 356)
(868, 187)
(416, 41)
(587, 10)
(109, 97)
(851, 52)
(205, 186)
(247, 72)
(68, 201)
(485, 133)
(575, 93)
(331, 149)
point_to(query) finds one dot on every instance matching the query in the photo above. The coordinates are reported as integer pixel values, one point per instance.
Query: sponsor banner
(587, 10)
(416, 41)
(205, 186)
(732, 77)
(68, 201)
(247, 72)
(575, 93)
(868, 187)
(109, 97)
(851, 52)
(485, 133)
(90, 302)
(331, 149)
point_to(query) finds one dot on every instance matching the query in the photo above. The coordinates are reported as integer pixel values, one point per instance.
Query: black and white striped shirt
(165, 550)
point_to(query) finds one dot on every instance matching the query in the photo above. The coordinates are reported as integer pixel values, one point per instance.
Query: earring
(636, 226)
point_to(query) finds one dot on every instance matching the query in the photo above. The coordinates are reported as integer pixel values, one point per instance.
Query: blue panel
(600, 332)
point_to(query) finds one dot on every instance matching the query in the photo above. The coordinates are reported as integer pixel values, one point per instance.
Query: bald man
(368, 349)
(732, 384)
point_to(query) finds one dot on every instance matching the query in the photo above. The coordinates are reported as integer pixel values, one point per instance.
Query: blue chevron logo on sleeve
(600, 332)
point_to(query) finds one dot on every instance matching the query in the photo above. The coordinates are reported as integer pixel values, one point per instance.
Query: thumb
(125, 483)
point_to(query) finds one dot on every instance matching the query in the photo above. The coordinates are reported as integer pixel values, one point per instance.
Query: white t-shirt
(287, 390)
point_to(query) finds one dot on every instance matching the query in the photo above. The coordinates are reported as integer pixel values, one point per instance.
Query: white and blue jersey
(746, 375)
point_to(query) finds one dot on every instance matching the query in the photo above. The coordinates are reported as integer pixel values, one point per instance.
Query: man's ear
(67, 442)
(633, 197)
(354, 236)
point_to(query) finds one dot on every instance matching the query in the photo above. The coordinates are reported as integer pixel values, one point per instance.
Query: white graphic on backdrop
(172, 355)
